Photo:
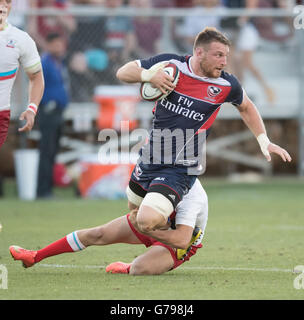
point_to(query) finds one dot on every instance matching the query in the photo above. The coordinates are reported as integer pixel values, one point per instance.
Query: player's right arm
(254, 122)
(130, 72)
(133, 72)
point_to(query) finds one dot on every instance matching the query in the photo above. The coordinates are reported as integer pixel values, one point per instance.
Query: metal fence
(99, 40)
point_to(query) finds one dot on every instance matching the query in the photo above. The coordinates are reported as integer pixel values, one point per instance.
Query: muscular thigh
(119, 231)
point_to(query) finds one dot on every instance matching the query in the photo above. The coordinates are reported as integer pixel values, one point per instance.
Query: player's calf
(92, 236)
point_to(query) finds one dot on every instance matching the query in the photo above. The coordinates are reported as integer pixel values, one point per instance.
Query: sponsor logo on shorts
(138, 172)
(172, 196)
(160, 179)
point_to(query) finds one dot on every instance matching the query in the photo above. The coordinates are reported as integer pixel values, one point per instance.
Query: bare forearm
(254, 122)
(178, 238)
(36, 88)
(130, 72)
(252, 118)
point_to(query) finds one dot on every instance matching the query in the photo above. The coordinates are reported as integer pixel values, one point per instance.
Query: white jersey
(16, 47)
(193, 209)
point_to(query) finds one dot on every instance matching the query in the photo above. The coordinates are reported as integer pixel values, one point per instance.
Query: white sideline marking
(73, 266)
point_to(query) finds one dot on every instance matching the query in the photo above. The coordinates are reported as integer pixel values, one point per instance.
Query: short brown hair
(208, 35)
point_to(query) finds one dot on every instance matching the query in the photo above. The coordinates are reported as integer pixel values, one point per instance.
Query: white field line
(73, 266)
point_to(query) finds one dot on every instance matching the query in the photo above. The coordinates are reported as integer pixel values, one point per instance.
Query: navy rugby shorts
(172, 182)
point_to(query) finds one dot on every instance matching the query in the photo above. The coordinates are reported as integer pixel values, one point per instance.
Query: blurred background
(98, 36)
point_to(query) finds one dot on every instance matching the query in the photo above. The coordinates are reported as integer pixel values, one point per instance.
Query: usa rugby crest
(213, 91)
(11, 43)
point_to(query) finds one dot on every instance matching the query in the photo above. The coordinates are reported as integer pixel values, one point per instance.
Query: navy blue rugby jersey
(187, 111)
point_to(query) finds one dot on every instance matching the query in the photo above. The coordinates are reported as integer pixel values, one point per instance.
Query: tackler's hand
(29, 117)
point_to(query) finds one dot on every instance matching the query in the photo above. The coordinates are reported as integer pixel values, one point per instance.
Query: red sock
(53, 249)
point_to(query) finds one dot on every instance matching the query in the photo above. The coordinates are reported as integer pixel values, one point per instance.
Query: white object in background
(26, 166)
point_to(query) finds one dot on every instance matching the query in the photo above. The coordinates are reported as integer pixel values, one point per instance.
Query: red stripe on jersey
(154, 108)
(209, 122)
(198, 89)
(8, 77)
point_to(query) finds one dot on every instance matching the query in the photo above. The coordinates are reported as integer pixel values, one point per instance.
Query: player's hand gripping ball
(150, 93)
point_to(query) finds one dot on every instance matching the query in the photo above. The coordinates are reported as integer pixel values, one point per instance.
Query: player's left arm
(176, 238)
(254, 122)
(36, 89)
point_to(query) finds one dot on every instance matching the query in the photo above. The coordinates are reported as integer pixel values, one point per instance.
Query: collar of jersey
(195, 75)
(7, 26)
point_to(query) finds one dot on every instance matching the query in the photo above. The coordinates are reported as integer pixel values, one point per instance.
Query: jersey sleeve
(29, 55)
(148, 63)
(236, 94)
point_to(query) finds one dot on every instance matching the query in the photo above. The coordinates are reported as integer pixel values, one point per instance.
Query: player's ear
(199, 51)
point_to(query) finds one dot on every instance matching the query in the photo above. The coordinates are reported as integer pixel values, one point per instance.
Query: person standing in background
(16, 48)
(50, 115)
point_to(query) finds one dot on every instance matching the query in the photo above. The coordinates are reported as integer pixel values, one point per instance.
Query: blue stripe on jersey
(8, 73)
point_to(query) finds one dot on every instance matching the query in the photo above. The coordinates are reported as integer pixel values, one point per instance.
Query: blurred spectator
(97, 48)
(89, 2)
(245, 40)
(274, 29)
(231, 27)
(16, 18)
(147, 30)
(88, 61)
(50, 112)
(164, 3)
(183, 3)
(40, 26)
(186, 29)
(119, 39)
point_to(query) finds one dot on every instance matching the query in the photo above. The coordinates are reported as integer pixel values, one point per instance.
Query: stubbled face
(212, 59)
(5, 8)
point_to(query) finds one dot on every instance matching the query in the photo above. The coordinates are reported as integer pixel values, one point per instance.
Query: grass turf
(252, 243)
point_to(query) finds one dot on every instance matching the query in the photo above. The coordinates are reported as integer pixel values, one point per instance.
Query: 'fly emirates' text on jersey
(16, 47)
(183, 119)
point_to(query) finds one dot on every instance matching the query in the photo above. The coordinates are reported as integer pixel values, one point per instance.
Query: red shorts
(149, 241)
(4, 123)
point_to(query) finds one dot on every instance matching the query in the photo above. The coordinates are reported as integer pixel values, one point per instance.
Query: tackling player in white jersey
(16, 48)
(169, 247)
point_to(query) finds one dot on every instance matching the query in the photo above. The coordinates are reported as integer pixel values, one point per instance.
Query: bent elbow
(118, 74)
(183, 245)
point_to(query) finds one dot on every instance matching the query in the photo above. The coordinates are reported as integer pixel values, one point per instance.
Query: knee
(136, 269)
(145, 226)
(140, 269)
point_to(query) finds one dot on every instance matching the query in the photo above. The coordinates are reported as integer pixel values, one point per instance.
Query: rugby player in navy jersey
(157, 186)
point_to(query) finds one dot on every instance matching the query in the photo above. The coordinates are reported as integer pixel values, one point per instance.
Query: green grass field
(253, 240)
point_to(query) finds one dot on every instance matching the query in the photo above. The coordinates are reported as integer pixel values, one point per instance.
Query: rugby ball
(150, 93)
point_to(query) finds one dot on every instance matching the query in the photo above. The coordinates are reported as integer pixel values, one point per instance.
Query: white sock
(74, 241)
